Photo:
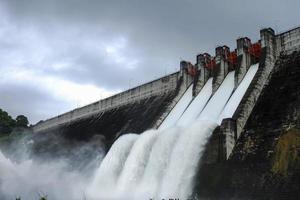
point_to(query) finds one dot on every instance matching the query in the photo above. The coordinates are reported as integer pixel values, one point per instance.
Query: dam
(156, 132)
(164, 93)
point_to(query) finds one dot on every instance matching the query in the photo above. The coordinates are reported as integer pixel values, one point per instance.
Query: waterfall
(187, 152)
(238, 94)
(106, 176)
(136, 162)
(163, 163)
(197, 105)
(158, 162)
(176, 182)
(216, 104)
(177, 111)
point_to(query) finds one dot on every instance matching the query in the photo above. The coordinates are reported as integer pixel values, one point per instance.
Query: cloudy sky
(56, 55)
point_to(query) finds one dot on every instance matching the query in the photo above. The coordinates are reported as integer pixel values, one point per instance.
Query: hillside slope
(265, 163)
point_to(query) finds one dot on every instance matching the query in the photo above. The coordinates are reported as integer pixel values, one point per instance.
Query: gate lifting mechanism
(191, 69)
(210, 64)
(255, 50)
(232, 59)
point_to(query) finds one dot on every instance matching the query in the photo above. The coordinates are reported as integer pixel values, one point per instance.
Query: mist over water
(156, 164)
(29, 176)
(29, 179)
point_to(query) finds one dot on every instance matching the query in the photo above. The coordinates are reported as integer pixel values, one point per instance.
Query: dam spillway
(215, 92)
(179, 109)
(141, 175)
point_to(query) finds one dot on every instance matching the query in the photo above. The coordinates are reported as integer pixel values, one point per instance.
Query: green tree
(6, 119)
(7, 123)
(21, 121)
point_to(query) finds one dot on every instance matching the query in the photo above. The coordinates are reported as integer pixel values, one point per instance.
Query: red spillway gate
(192, 70)
(232, 58)
(255, 50)
(210, 64)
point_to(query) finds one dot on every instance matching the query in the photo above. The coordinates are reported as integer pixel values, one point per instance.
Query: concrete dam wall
(133, 111)
(252, 170)
(147, 106)
(161, 86)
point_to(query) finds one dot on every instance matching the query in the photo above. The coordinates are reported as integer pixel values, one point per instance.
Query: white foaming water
(158, 162)
(105, 180)
(197, 105)
(135, 164)
(179, 108)
(178, 179)
(218, 101)
(238, 94)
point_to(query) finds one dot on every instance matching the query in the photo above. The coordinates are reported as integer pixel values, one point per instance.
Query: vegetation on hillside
(7, 123)
(286, 156)
(11, 129)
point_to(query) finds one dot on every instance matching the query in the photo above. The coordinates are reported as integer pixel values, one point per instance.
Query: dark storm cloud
(112, 44)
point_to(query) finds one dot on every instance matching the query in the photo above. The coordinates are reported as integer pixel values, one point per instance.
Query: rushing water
(197, 105)
(179, 109)
(156, 164)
